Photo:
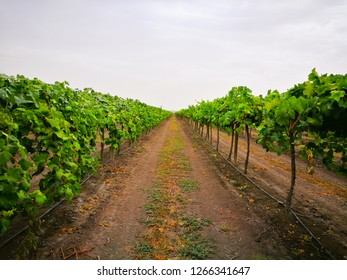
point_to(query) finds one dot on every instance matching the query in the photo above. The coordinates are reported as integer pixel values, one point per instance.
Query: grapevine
(48, 138)
(309, 118)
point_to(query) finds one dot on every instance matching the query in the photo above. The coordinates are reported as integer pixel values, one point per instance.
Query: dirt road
(321, 198)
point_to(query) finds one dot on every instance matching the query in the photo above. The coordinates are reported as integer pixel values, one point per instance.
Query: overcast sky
(173, 53)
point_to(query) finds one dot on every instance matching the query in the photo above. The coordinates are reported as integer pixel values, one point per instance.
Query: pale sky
(173, 53)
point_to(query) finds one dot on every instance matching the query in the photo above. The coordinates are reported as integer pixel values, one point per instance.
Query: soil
(109, 219)
(319, 198)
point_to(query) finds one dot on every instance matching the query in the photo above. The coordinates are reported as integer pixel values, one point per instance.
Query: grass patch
(196, 247)
(144, 250)
(193, 223)
(183, 199)
(188, 185)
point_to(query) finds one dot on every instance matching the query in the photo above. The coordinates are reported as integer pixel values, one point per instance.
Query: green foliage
(188, 185)
(317, 108)
(239, 105)
(196, 246)
(51, 131)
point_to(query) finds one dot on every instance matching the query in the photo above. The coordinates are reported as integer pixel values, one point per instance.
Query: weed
(144, 250)
(194, 223)
(182, 199)
(196, 246)
(188, 185)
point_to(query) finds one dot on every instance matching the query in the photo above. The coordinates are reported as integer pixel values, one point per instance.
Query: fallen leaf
(104, 225)
(69, 230)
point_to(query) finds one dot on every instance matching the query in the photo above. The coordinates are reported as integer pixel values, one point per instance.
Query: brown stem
(232, 142)
(248, 147)
(217, 148)
(236, 146)
(292, 125)
(102, 143)
(293, 169)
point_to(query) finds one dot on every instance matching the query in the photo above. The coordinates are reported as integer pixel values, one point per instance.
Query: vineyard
(309, 118)
(49, 139)
(239, 177)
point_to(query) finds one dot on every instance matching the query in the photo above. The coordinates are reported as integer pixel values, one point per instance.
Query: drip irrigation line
(27, 226)
(59, 202)
(249, 179)
(245, 176)
(311, 233)
(62, 200)
(272, 197)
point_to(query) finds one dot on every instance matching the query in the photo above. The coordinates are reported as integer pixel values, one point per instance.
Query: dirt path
(119, 217)
(321, 197)
(236, 231)
(170, 197)
(193, 212)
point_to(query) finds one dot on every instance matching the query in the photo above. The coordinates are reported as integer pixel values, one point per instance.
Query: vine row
(49, 135)
(310, 118)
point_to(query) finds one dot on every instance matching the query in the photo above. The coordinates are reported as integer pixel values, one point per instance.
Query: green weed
(188, 185)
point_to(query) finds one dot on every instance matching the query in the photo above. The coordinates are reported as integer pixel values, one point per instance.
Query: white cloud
(172, 53)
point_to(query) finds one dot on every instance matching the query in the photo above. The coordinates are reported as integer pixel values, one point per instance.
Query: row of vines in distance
(48, 135)
(316, 108)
